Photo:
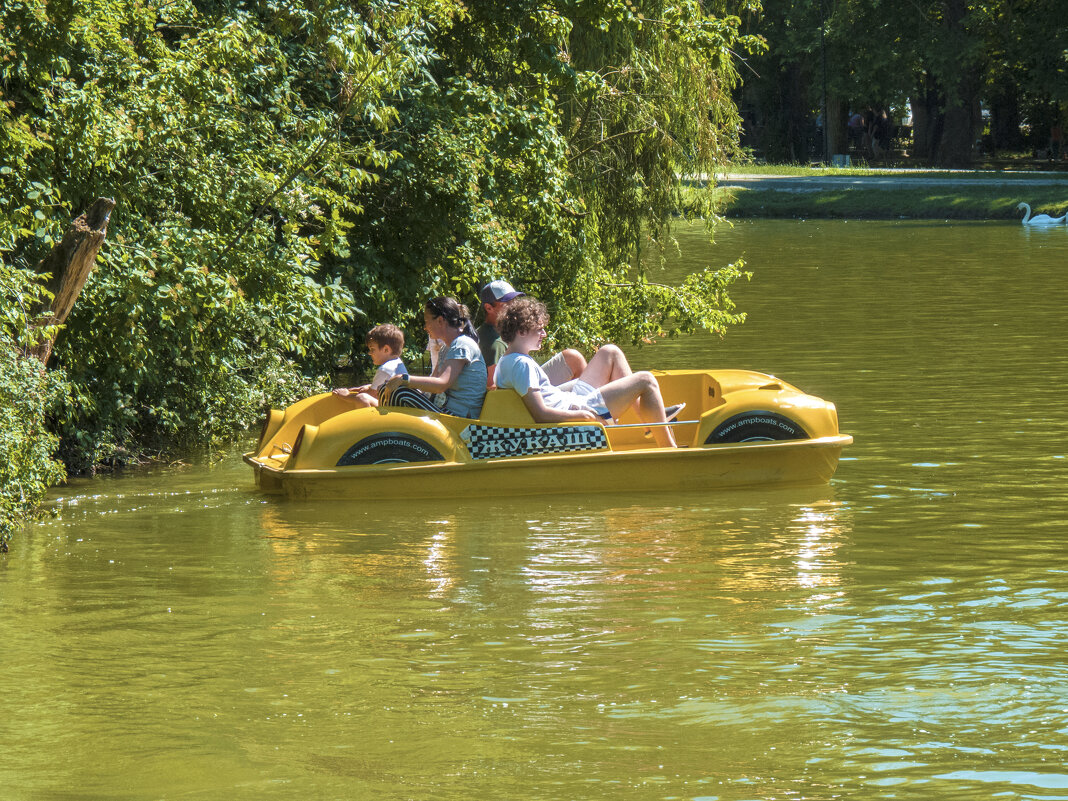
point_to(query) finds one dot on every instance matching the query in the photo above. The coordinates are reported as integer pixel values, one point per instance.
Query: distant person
(385, 343)
(1056, 141)
(606, 389)
(855, 127)
(869, 130)
(458, 381)
(880, 140)
(495, 296)
(748, 135)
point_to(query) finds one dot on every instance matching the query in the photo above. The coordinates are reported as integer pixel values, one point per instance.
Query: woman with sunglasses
(458, 382)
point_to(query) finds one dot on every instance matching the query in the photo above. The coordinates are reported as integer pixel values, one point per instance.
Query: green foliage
(641, 311)
(546, 143)
(28, 393)
(287, 175)
(208, 300)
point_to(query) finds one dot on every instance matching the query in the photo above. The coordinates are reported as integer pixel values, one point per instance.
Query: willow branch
(633, 284)
(607, 139)
(575, 215)
(673, 289)
(585, 117)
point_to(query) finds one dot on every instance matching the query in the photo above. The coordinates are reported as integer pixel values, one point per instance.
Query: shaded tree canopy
(949, 59)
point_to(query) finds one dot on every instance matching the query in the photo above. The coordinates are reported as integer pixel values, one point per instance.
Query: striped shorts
(410, 398)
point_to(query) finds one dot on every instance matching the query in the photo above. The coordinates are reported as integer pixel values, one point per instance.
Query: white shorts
(557, 370)
(585, 396)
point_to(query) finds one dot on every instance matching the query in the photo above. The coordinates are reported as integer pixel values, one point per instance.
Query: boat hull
(790, 463)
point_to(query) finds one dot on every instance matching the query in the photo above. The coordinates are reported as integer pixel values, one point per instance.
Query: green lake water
(900, 633)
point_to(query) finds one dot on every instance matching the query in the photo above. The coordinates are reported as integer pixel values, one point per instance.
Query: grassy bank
(943, 195)
(929, 203)
(1012, 172)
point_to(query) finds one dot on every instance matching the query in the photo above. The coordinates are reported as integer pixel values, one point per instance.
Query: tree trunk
(961, 129)
(1005, 119)
(927, 119)
(836, 119)
(68, 265)
(958, 136)
(962, 84)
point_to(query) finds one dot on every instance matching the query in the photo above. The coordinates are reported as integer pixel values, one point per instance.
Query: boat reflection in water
(554, 557)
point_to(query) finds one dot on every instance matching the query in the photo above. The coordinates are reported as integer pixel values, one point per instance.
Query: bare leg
(608, 364)
(575, 361)
(641, 387)
(564, 366)
(359, 400)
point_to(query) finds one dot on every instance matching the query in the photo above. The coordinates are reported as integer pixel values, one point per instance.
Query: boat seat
(505, 407)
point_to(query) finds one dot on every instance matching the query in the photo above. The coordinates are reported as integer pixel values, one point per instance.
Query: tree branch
(69, 265)
(601, 142)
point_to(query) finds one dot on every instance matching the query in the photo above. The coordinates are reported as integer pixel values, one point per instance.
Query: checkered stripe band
(498, 442)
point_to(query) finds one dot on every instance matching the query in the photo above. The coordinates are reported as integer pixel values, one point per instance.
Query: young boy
(606, 388)
(384, 343)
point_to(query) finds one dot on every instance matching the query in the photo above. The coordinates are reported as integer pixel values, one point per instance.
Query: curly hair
(521, 314)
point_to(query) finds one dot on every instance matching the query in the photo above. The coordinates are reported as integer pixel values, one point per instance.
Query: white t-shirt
(386, 371)
(434, 348)
(521, 373)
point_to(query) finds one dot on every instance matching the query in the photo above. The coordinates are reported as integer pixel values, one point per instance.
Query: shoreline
(881, 194)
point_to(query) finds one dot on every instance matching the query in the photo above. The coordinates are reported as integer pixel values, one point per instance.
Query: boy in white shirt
(606, 388)
(385, 344)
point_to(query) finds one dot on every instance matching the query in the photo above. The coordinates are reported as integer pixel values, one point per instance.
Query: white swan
(1040, 219)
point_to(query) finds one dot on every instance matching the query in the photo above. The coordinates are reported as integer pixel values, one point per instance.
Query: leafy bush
(28, 392)
(204, 306)
(546, 144)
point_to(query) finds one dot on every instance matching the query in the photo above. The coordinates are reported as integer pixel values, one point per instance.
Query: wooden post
(69, 264)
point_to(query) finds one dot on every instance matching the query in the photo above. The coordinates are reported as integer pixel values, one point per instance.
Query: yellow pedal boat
(738, 429)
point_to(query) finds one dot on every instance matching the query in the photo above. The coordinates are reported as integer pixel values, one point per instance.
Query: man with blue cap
(495, 295)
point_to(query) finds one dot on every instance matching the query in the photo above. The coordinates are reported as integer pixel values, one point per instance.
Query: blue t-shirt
(465, 396)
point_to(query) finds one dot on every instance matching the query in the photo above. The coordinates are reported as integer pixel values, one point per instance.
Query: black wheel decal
(389, 447)
(756, 426)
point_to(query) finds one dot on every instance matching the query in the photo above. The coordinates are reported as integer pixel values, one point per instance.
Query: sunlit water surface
(898, 634)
